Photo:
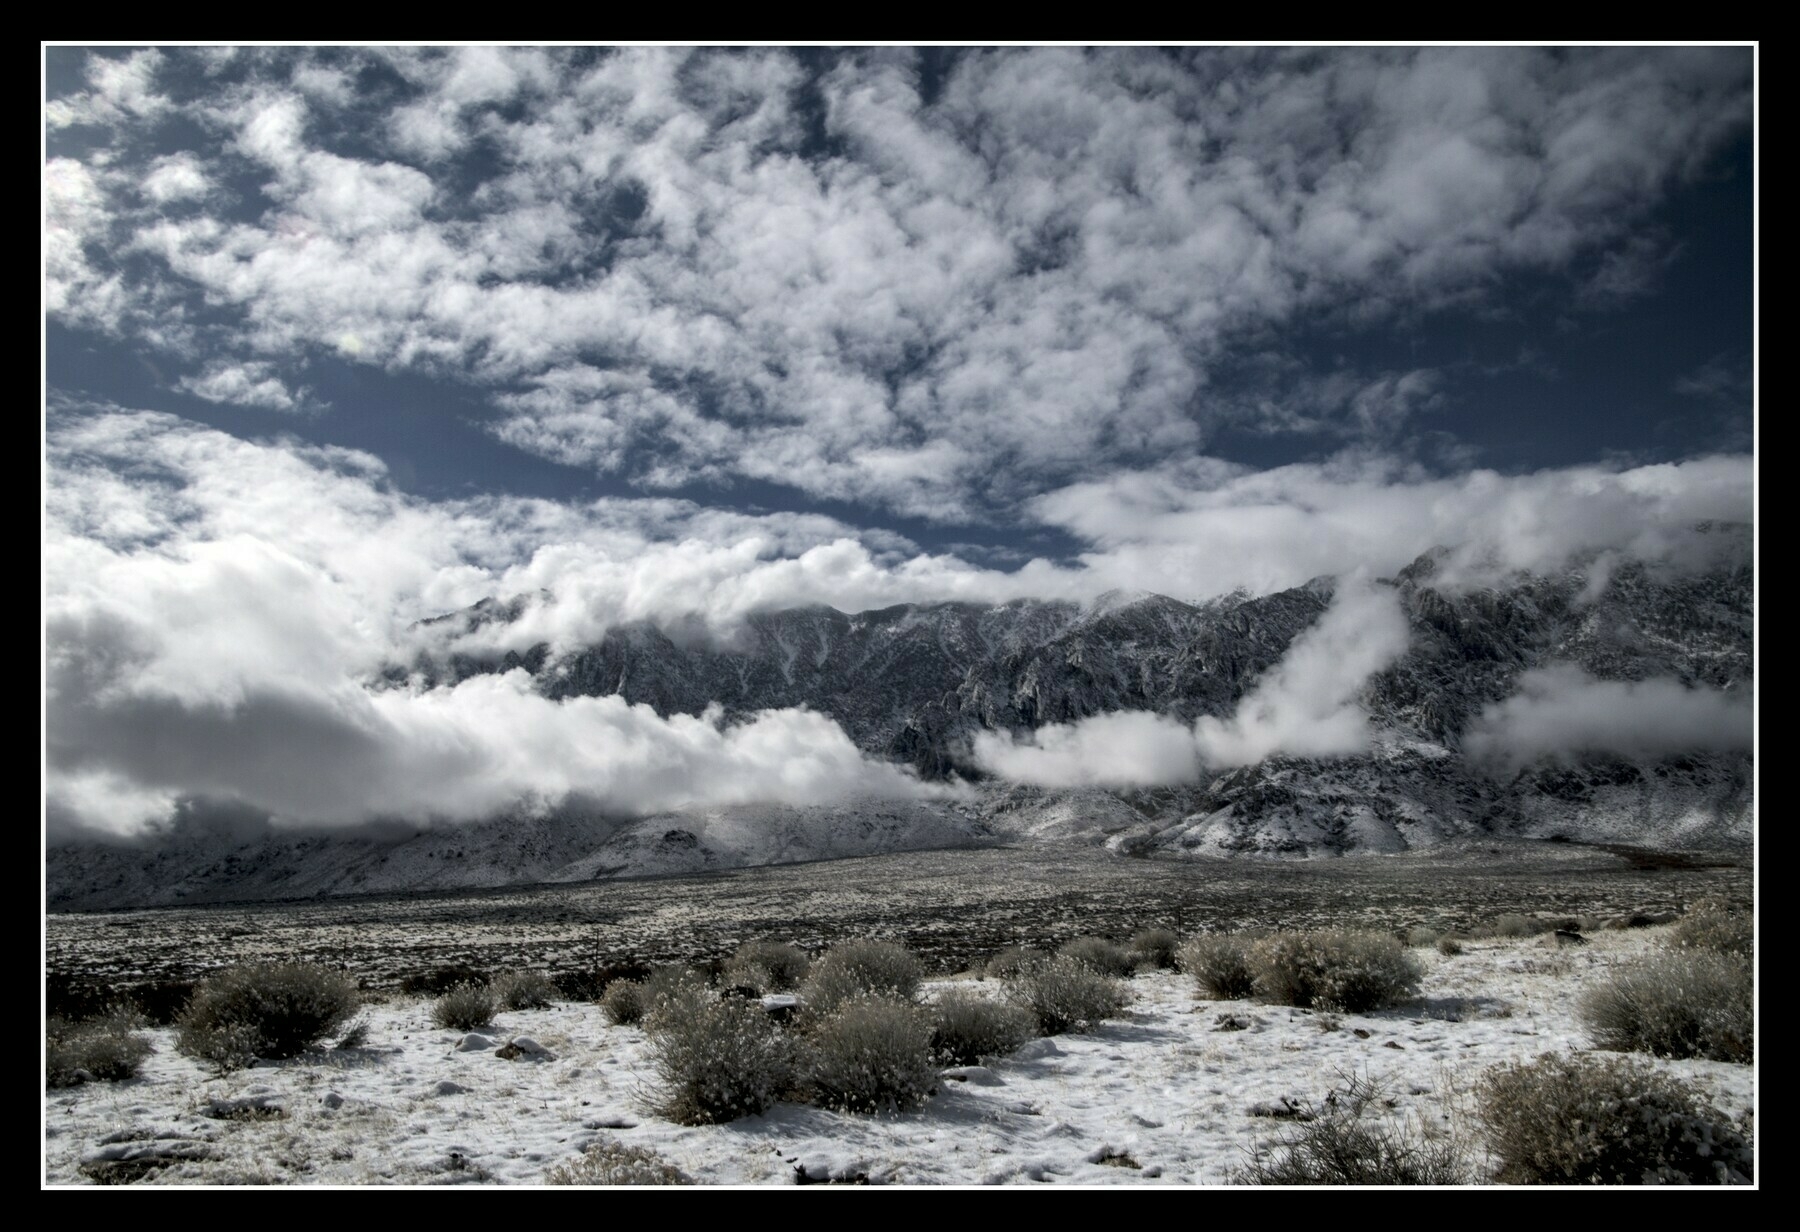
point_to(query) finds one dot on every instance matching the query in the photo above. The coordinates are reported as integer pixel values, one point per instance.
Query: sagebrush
(271, 1010)
(873, 1054)
(715, 1058)
(1350, 972)
(1219, 963)
(1011, 960)
(1349, 1140)
(524, 990)
(102, 1049)
(1106, 957)
(860, 969)
(1713, 924)
(1154, 947)
(767, 966)
(1066, 995)
(611, 1162)
(465, 1007)
(1565, 1119)
(1677, 1003)
(623, 1003)
(968, 1027)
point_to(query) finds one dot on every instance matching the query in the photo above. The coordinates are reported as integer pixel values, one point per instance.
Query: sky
(337, 339)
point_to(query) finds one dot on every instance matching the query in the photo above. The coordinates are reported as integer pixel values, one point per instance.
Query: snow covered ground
(1164, 1087)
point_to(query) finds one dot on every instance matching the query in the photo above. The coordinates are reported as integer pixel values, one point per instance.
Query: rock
(1037, 1049)
(978, 1075)
(473, 1042)
(1568, 936)
(249, 1108)
(331, 1099)
(1232, 1022)
(530, 1047)
(446, 1087)
(1359, 1032)
(1395, 1045)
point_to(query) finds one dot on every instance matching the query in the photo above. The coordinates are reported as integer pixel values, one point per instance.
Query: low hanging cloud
(1561, 712)
(1305, 706)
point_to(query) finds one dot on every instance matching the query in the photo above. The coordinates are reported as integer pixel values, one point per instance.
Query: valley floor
(1161, 1096)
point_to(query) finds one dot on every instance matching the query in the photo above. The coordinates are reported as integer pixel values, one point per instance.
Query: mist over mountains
(1607, 701)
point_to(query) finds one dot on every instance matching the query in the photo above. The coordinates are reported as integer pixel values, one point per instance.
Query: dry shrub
(465, 1007)
(1154, 947)
(623, 1003)
(1678, 1003)
(611, 1162)
(1066, 995)
(873, 1054)
(103, 1049)
(1571, 1120)
(1106, 957)
(1449, 946)
(969, 1027)
(1350, 972)
(767, 966)
(1713, 924)
(1012, 960)
(1220, 963)
(271, 1010)
(861, 969)
(715, 1058)
(1347, 1141)
(524, 990)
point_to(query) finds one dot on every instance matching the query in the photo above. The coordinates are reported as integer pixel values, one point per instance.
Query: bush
(623, 1003)
(611, 1162)
(524, 990)
(1012, 960)
(1106, 957)
(1154, 947)
(1680, 1003)
(968, 1027)
(1343, 1144)
(271, 1010)
(716, 1058)
(1349, 972)
(440, 980)
(767, 966)
(1220, 963)
(466, 1007)
(1421, 935)
(858, 969)
(1064, 995)
(1449, 946)
(103, 1049)
(1514, 926)
(1564, 1119)
(873, 1054)
(1713, 924)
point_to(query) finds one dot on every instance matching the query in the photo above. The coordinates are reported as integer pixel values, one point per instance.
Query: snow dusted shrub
(611, 1162)
(466, 1007)
(1713, 924)
(1154, 947)
(1220, 963)
(1349, 972)
(1106, 957)
(1679, 1003)
(861, 968)
(1065, 995)
(1348, 1141)
(1012, 960)
(1566, 1119)
(873, 1054)
(767, 966)
(1449, 946)
(103, 1049)
(968, 1027)
(1421, 935)
(271, 1010)
(1513, 926)
(524, 990)
(623, 1003)
(716, 1058)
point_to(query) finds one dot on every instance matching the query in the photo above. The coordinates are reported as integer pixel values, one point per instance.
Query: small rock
(529, 1046)
(1232, 1022)
(509, 1052)
(473, 1042)
(978, 1075)
(1568, 936)
(1395, 1045)
(1032, 1050)
(331, 1099)
(1359, 1033)
(446, 1087)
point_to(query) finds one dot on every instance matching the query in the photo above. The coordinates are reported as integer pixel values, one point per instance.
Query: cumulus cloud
(680, 264)
(1305, 705)
(249, 384)
(1562, 712)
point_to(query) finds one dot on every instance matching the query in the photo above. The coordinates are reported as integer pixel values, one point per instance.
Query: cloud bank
(1305, 706)
(1561, 712)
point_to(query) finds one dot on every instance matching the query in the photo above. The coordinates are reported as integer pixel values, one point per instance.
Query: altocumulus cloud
(941, 297)
(1562, 712)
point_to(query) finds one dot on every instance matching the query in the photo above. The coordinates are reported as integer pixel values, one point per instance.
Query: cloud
(252, 384)
(1562, 712)
(1304, 706)
(676, 264)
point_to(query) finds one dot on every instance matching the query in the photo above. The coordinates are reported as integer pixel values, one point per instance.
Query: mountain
(916, 683)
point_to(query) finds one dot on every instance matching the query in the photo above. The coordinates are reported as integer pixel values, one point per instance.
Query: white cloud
(1025, 283)
(250, 384)
(1562, 712)
(176, 177)
(1305, 706)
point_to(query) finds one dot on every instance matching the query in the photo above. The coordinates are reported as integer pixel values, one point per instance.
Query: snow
(1170, 1087)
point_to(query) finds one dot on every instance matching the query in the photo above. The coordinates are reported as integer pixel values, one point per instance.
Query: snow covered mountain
(917, 683)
